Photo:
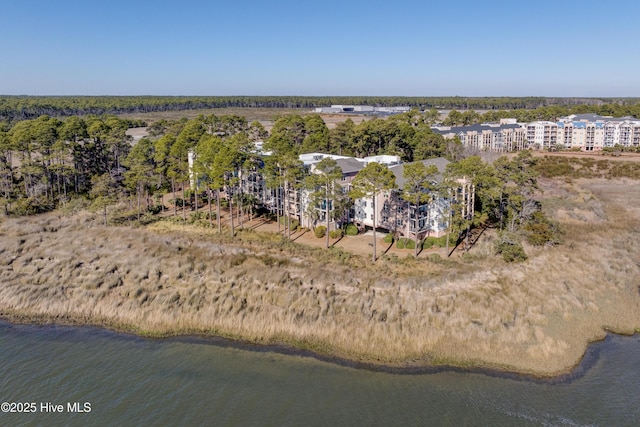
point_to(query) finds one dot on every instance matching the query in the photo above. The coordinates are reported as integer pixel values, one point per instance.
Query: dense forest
(29, 107)
(47, 163)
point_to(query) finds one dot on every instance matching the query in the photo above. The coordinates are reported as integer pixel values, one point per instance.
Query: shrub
(541, 231)
(388, 238)
(294, 222)
(510, 248)
(405, 243)
(75, 205)
(30, 206)
(320, 231)
(122, 215)
(351, 230)
(194, 217)
(177, 201)
(335, 234)
(155, 209)
(430, 242)
(512, 253)
(440, 242)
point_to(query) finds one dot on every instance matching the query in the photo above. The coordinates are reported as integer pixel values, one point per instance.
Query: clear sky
(346, 47)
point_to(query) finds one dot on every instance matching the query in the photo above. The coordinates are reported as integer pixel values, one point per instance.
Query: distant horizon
(315, 96)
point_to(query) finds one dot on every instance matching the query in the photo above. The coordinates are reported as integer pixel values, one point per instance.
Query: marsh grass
(169, 278)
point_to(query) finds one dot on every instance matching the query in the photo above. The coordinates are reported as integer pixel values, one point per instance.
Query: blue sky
(281, 47)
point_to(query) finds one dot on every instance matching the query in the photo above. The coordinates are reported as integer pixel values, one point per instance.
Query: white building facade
(504, 137)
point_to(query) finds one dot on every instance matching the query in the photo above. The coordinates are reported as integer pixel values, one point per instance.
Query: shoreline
(586, 362)
(535, 318)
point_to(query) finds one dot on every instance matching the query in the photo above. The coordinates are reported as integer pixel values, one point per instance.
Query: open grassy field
(266, 116)
(251, 114)
(536, 317)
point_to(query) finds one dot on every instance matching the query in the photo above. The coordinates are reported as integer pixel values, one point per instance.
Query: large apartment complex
(503, 137)
(393, 214)
(588, 132)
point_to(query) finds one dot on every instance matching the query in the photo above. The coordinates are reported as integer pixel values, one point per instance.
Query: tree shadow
(389, 247)
(337, 241)
(299, 235)
(473, 240)
(259, 224)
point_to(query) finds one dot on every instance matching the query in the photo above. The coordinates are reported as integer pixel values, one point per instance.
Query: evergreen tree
(322, 183)
(369, 182)
(104, 190)
(418, 190)
(141, 174)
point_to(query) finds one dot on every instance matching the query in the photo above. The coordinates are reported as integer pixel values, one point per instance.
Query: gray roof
(598, 118)
(477, 128)
(588, 117)
(440, 162)
(349, 165)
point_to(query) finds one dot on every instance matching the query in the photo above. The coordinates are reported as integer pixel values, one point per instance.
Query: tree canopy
(369, 182)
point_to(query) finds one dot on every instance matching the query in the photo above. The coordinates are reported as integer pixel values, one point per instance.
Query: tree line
(47, 162)
(14, 108)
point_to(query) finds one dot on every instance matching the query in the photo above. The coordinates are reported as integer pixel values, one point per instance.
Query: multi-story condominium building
(401, 218)
(591, 132)
(393, 214)
(350, 166)
(311, 217)
(411, 220)
(622, 132)
(542, 135)
(588, 132)
(587, 136)
(487, 137)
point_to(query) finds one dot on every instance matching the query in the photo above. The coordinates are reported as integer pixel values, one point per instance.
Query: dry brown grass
(251, 114)
(266, 116)
(534, 317)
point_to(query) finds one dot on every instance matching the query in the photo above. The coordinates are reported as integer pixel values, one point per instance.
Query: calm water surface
(134, 381)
